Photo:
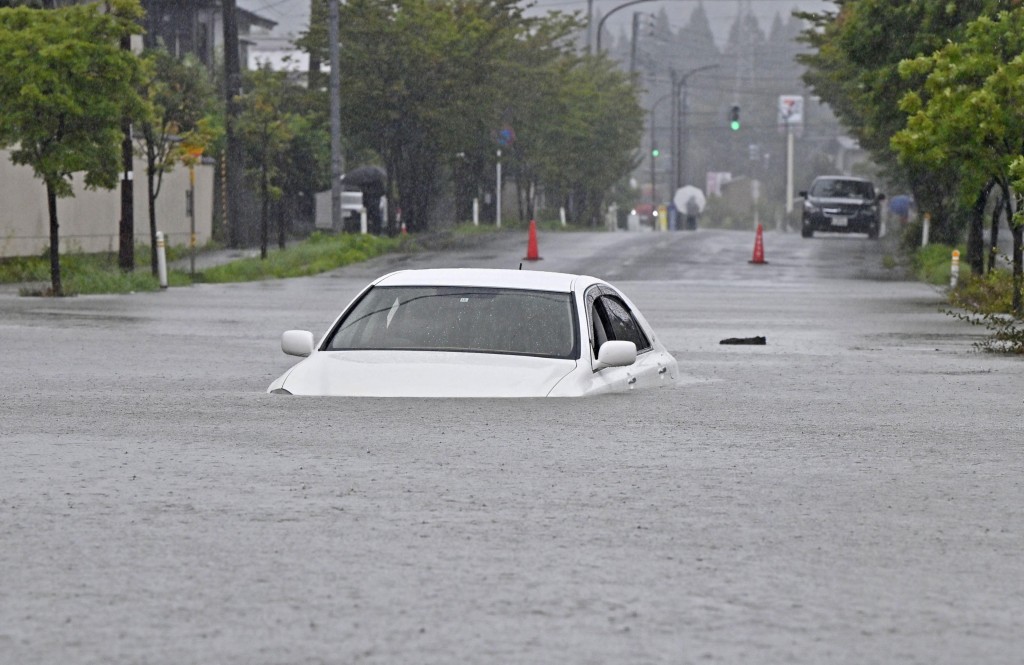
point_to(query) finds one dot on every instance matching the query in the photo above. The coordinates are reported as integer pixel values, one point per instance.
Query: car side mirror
(616, 353)
(803, 194)
(297, 342)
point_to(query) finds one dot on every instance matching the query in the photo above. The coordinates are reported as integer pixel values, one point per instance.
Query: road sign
(791, 112)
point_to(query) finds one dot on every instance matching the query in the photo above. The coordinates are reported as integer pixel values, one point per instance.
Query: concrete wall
(89, 221)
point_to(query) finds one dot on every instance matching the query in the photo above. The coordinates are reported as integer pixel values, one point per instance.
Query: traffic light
(655, 152)
(734, 118)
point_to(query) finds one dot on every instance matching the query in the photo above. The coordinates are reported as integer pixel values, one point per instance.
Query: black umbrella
(365, 176)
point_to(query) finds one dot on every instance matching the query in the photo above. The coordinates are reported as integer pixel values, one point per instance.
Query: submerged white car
(480, 333)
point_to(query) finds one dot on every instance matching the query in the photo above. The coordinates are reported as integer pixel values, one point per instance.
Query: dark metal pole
(126, 228)
(235, 161)
(337, 166)
(654, 173)
(632, 44)
(684, 137)
(675, 134)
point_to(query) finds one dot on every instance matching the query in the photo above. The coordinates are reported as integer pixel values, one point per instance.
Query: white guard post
(161, 259)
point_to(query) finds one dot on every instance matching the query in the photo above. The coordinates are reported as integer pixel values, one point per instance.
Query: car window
(470, 319)
(843, 189)
(612, 320)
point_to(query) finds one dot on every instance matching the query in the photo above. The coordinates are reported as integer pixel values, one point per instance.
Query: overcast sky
(293, 15)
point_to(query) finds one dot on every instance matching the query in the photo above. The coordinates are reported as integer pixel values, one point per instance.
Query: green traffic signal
(734, 118)
(655, 152)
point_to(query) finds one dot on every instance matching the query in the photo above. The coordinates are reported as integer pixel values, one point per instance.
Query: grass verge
(83, 273)
(932, 264)
(319, 253)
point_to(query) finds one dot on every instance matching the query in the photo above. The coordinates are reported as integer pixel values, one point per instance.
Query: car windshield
(843, 189)
(457, 318)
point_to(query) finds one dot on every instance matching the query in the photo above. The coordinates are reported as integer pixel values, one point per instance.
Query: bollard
(924, 230)
(161, 259)
(362, 221)
(476, 212)
(561, 215)
(954, 269)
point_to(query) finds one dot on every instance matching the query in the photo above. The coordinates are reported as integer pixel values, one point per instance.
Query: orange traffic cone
(404, 231)
(759, 246)
(531, 246)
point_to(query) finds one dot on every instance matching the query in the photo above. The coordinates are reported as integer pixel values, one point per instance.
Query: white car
(480, 333)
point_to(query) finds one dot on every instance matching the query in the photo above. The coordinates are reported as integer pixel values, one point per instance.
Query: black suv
(842, 204)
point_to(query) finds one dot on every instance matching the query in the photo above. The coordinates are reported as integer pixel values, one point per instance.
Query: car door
(610, 318)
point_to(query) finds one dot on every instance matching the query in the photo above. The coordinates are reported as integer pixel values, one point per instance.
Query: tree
(855, 70)
(265, 130)
(64, 101)
(424, 81)
(968, 111)
(180, 95)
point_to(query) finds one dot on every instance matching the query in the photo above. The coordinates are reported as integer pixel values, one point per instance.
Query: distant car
(842, 204)
(480, 333)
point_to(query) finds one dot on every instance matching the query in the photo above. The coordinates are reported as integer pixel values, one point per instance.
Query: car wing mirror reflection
(616, 353)
(297, 342)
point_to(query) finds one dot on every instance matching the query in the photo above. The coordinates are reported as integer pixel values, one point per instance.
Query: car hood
(423, 374)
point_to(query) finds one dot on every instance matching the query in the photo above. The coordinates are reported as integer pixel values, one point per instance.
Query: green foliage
(87, 274)
(425, 80)
(318, 254)
(932, 263)
(64, 101)
(855, 69)
(66, 86)
(967, 111)
(991, 293)
(181, 121)
(265, 126)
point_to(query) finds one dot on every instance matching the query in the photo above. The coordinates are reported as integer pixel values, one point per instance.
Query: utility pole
(337, 166)
(235, 154)
(126, 227)
(682, 129)
(632, 43)
(590, 25)
(674, 136)
(313, 80)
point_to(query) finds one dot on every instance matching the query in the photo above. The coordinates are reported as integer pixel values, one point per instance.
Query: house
(197, 27)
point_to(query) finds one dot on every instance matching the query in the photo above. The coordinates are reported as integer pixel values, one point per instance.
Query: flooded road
(850, 492)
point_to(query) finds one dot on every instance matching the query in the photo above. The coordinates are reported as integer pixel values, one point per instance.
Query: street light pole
(600, 24)
(682, 135)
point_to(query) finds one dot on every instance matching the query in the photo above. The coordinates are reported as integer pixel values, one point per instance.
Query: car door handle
(662, 370)
(632, 380)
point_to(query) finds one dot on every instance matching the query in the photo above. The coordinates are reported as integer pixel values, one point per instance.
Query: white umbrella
(687, 193)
